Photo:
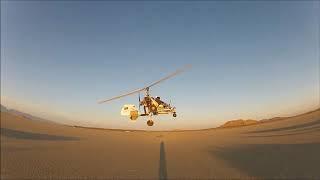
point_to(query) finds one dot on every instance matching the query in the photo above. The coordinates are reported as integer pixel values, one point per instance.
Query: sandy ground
(288, 148)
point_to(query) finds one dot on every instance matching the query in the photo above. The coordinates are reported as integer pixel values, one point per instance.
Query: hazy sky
(250, 59)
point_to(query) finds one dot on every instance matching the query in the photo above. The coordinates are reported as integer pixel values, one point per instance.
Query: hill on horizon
(23, 114)
(239, 122)
(248, 122)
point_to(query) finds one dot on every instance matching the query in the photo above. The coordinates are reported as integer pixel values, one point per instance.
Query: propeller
(139, 102)
(147, 87)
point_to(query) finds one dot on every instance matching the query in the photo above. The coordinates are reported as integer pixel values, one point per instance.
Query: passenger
(157, 99)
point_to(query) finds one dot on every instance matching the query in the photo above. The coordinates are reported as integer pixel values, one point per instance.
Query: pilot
(158, 100)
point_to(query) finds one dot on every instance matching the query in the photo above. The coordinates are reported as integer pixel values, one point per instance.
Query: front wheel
(174, 115)
(150, 123)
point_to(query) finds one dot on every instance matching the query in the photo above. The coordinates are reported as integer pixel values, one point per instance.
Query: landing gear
(150, 123)
(174, 114)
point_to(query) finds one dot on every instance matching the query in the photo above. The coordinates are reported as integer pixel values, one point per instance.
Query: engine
(130, 111)
(134, 115)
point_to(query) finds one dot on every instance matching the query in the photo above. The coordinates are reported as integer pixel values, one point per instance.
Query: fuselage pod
(131, 111)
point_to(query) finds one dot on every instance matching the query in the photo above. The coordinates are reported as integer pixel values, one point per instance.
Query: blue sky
(250, 59)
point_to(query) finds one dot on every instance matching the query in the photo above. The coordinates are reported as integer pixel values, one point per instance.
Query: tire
(150, 123)
(174, 115)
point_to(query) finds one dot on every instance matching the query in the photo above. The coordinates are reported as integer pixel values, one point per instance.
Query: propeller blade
(139, 102)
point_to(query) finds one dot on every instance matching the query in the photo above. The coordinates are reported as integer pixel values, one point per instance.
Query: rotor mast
(147, 91)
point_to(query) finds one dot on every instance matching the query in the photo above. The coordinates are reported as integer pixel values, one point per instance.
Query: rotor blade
(147, 87)
(123, 95)
(170, 75)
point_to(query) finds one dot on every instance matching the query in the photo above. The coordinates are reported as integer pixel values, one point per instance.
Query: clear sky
(250, 59)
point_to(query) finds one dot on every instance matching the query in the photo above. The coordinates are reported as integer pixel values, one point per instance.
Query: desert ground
(288, 148)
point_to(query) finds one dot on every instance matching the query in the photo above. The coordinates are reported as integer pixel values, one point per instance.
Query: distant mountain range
(241, 122)
(3, 108)
(22, 114)
(228, 124)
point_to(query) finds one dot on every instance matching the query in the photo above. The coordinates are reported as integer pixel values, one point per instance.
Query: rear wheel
(174, 115)
(150, 123)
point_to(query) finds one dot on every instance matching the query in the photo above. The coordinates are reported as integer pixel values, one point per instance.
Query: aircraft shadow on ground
(162, 163)
(274, 160)
(34, 136)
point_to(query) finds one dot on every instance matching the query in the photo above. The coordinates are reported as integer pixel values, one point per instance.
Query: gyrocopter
(152, 106)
